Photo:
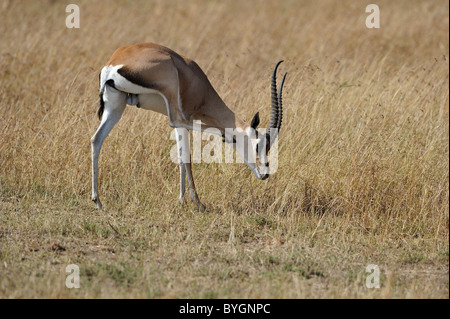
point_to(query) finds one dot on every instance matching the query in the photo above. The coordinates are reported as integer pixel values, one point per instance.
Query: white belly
(153, 102)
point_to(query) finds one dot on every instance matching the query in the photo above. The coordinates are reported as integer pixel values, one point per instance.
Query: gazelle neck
(217, 114)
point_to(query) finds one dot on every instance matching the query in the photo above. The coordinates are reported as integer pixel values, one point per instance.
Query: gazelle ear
(255, 121)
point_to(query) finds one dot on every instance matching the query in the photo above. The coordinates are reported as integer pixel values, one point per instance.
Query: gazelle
(153, 77)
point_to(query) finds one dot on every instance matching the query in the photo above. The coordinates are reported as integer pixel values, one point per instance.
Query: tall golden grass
(363, 152)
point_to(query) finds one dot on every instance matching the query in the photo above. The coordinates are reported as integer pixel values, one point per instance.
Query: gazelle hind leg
(114, 106)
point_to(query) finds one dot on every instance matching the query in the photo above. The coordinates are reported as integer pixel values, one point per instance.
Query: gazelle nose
(259, 175)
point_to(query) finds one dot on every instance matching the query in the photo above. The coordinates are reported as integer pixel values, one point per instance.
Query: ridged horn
(276, 114)
(280, 103)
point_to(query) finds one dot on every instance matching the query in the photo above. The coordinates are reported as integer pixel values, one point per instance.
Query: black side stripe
(136, 78)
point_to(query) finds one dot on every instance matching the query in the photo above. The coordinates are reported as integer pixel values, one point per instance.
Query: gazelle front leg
(114, 104)
(184, 159)
(194, 196)
(182, 149)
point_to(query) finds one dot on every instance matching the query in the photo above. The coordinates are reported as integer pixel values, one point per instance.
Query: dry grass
(364, 154)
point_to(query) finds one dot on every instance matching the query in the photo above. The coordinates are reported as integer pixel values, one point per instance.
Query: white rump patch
(136, 92)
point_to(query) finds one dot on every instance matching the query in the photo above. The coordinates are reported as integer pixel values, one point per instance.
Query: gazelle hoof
(97, 202)
(201, 207)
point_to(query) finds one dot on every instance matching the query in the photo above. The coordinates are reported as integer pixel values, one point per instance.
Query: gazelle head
(260, 143)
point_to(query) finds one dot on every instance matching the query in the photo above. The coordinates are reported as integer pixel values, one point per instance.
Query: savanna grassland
(363, 173)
